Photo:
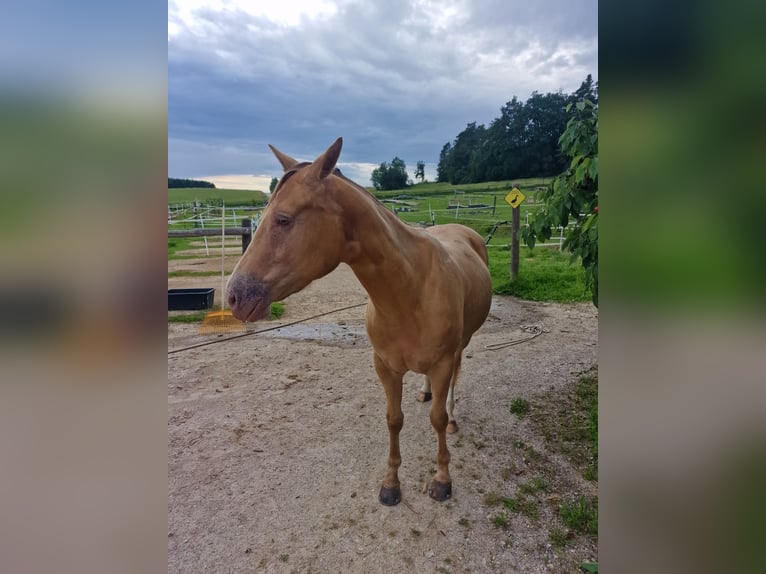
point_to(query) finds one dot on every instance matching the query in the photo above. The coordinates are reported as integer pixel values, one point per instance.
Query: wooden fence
(246, 231)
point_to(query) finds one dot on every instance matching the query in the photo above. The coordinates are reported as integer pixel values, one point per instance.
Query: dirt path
(278, 442)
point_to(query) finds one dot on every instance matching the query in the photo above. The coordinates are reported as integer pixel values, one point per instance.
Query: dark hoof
(390, 496)
(440, 491)
(451, 427)
(424, 397)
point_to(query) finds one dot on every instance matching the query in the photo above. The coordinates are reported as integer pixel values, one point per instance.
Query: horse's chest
(408, 349)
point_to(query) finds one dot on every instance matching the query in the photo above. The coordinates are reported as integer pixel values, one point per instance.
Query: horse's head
(300, 237)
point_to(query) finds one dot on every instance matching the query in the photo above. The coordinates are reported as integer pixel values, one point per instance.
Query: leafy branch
(573, 195)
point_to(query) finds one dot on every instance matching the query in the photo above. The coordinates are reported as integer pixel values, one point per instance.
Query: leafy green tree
(175, 183)
(441, 169)
(464, 161)
(420, 171)
(574, 194)
(521, 142)
(544, 118)
(393, 176)
(273, 184)
(588, 90)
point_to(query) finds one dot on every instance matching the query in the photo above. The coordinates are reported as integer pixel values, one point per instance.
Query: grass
(587, 397)
(521, 504)
(519, 407)
(232, 197)
(500, 520)
(580, 515)
(196, 317)
(545, 274)
(276, 310)
(532, 486)
(180, 244)
(568, 420)
(558, 537)
(440, 188)
(492, 499)
(511, 504)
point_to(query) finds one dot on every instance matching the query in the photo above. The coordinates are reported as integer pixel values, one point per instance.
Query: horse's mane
(336, 172)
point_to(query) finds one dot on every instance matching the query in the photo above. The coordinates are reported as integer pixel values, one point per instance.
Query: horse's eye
(282, 220)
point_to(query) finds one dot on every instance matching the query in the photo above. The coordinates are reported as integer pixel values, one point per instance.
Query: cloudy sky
(393, 77)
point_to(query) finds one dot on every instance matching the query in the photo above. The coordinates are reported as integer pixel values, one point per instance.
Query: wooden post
(246, 237)
(494, 205)
(515, 224)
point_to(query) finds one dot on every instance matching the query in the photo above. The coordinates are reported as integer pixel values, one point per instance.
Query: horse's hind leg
(425, 391)
(390, 492)
(452, 424)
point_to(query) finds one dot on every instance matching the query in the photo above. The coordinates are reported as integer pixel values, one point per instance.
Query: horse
(429, 290)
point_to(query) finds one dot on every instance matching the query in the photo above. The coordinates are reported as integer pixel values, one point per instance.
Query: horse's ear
(287, 162)
(325, 163)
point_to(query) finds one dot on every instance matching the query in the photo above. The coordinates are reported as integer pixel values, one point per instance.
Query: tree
(574, 193)
(441, 169)
(273, 184)
(175, 183)
(392, 176)
(420, 171)
(588, 90)
(463, 160)
(521, 142)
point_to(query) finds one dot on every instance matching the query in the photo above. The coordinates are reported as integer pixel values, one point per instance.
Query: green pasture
(545, 274)
(177, 245)
(439, 188)
(477, 205)
(232, 197)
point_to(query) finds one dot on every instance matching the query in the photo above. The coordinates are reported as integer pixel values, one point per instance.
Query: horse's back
(452, 233)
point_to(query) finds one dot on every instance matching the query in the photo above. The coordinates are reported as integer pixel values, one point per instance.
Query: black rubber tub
(190, 299)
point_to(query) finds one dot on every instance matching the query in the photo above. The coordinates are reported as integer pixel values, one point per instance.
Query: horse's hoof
(451, 427)
(424, 397)
(390, 496)
(440, 491)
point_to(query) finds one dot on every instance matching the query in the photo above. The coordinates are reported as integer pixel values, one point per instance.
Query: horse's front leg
(390, 491)
(441, 377)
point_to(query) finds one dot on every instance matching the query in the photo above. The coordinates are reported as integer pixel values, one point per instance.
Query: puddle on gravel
(342, 335)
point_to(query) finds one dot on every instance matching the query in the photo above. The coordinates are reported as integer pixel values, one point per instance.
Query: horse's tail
(456, 371)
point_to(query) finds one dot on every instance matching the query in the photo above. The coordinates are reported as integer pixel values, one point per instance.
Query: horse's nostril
(232, 299)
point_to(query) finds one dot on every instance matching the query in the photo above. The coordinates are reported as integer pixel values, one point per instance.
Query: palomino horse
(429, 290)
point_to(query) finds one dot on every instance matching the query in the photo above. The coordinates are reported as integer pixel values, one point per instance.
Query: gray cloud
(390, 77)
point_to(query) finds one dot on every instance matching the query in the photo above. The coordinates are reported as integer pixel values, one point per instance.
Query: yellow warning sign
(515, 197)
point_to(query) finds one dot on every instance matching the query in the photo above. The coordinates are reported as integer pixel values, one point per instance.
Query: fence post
(247, 237)
(515, 224)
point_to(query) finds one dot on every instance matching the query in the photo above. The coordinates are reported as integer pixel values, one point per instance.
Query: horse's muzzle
(247, 298)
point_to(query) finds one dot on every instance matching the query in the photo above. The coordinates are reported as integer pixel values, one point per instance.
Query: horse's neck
(387, 252)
